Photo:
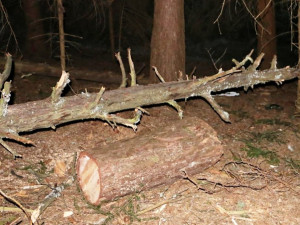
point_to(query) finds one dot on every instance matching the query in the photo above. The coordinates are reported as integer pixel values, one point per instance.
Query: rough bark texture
(60, 11)
(168, 40)
(147, 160)
(111, 31)
(266, 32)
(297, 103)
(44, 114)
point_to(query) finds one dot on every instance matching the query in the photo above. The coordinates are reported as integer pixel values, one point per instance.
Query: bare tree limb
(48, 113)
(7, 69)
(124, 79)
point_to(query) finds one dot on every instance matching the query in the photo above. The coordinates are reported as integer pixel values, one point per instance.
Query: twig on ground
(55, 193)
(13, 209)
(15, 154)
(167, 201)
(14, 201)
(253, 173)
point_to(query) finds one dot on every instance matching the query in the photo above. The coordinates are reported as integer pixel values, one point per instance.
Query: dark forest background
(86, 22)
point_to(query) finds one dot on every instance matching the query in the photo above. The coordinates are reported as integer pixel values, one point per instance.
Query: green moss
(256, 152)
(272, 122)
(295, 164)
(240, 113)
(269, 135)
(130, 208)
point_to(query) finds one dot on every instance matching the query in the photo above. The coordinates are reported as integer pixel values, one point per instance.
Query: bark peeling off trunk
(148, 160)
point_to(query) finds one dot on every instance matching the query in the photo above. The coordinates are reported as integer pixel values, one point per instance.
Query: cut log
(147, 160)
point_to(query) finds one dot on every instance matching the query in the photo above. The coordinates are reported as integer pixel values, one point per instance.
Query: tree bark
(35, 43)
(185, 147)
(60, 12)
(297, 103)
(266, 37)
(111, 31)
(44, 114)
(168, 40)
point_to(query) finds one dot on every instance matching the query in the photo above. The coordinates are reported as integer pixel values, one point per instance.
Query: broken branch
(7, 69)
(124, 79)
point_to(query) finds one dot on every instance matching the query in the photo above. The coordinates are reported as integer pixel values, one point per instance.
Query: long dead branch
(43, 114)
(47, 113)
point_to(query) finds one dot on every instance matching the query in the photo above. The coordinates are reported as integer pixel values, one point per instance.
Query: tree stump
(161, 156)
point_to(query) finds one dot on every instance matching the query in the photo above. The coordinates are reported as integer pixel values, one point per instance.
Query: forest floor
(257, 180)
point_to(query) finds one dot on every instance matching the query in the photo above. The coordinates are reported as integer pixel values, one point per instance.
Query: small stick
(132, 70)
(59, 87)
(256, 63)
(97, 99)
(193, 71)
(158, 74)
(16, 137)
(5, 98)
(15, 155)
(274, 63)
(124, 79)
(13, 209)
(7, 69)
(11, 199)
(170, 200)
(223, 114)
(56, 192)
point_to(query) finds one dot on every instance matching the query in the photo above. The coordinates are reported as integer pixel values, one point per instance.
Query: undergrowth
(255, 152)
(257, 144)
(254, 142)
(128, 211)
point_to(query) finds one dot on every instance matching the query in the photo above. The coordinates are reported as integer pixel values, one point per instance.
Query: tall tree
(35, 43)
(297, 103)
(266, 28)
(168, 39)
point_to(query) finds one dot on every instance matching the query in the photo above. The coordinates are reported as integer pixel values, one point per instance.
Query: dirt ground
(255, 182)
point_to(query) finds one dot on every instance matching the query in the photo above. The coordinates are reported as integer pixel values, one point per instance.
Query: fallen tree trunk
(57, 110)
(44, 114)
(186, 147)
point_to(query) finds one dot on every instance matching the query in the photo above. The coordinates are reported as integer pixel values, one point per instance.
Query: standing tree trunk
(266, 31)
(60, 12)
(111, 31)
(168, 40)
(35, 43)
(298, 89)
